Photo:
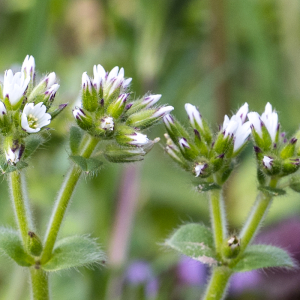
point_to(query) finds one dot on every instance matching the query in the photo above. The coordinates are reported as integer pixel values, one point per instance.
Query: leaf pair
(196, 241)
(70, 252)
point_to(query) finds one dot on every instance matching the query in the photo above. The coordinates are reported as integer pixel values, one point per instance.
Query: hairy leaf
(195, 241)
(86, 164)
(76, 135)
(74, 252)
(31, 145)
(263, 256)
(272, 191)
(11, 245)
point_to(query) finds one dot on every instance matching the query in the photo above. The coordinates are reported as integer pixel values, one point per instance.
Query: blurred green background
(214, 54)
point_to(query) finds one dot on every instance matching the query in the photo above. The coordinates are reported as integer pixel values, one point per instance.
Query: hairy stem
(39, 284)
(218, 218)
(218, 283)
(63, 200)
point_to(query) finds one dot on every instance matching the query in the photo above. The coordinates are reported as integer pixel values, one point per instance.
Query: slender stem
(218, 218)
(256, 217)
(20, 206)
(218, 284)
(63, 200)
(39, 284)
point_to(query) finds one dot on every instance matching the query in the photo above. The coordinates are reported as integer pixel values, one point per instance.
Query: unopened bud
(117, 154)
(188, 150)
(290, 165)
(89, 94)
(289, 149)
(34, 244)
(231, 248)
(83, 119)
(116, 108)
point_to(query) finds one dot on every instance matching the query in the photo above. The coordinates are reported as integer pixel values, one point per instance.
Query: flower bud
(188, 150)
(13, 151)
(290, 165)
(289, 149)
(117, 154)
(116, 108)
(128, 137)
(83, 119)
(5, 124)
(217, 162)
(202, 170)
(201, 145)
(231, 248)
(271, 166)
(57, 111)
(34, 244)
(89, 94)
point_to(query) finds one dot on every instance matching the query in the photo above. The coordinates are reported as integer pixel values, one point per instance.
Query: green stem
(21, 208)
(218, 218)
(39, 284)
(218, 284)
(63, 200)
(256, 217)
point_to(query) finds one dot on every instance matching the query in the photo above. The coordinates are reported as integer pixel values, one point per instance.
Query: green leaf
(11, 245)
(7, 168)
(295, 184)
(86, 164)
(272, 191)
(195, 241)
(31, 145)
(263, 256)
(205, 187)
(76, 135)
(74, 252)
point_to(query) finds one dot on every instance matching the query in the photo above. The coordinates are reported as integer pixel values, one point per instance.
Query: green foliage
(86, 164)
(32, 142)
(11, 245)
(272, 191)
(7, 168)
(74, 252)
(76, 135)
(205, 187)
(263, 256)
(295, 184)
(195, 241)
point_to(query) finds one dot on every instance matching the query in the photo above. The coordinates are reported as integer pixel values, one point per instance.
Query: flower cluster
(198, 152)
(276, 156)
(25, 108)
(108, 112)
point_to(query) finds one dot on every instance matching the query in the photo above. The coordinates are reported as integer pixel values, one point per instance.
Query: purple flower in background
(191, 272)
(241, 282)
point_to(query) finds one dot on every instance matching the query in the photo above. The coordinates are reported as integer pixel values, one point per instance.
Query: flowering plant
(211, 159)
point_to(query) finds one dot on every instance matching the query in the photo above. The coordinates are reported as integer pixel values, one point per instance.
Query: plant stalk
(218, 218)
(39, 284)
(218, 283)
(63, 200)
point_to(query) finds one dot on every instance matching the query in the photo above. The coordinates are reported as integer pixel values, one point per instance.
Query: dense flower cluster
(108, 112)
(25, 108)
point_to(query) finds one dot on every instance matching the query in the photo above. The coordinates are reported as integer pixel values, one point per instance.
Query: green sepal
(89, 98)
(263, 256)
(76, 135)
(272, 191)
(290, 166)
(74, 252)
(217, 162)
(86, 164)
(7, 168)
(176, 131)
(32, 142)
(261, 177)
(200, 143)
(34, 244)
(266, 138)
(117, 154)
(225, 172)
(195, 241)
(190, 152)
(54, 113)
(11, 245)
(289, 149)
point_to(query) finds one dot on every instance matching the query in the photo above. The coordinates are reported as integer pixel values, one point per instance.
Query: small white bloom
(50, 80)
(242, 112)
(162, 111)
(270, 119)
(78, 113)
(183, 143)
(138, 139)
(255, 121)
(230, 126)
(14, 86)
(241, 135)
(168, 120)
(194, 115)
(14, 154)
(108, 124)
(28, 66)
(268, 162)
(86, 82)
(34, 117)
(199, 169)
(151, 100)
(2, 109)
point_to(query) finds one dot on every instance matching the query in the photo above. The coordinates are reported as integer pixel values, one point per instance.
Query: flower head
(194, 116)
(34, 117)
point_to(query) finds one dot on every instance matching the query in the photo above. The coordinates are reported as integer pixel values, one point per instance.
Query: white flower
(138, 139)
(51, 92)
(108, 124)
(28, 66)
(194, 115)
(162, 111)
(111, 81)
(14, 154)
(86, 82)
(14, 86)
(237, 127)
(269, 118)
(199, 169)
(151, 100)
(168, 120)
(34, 117)
(2, 109)
(50, 80)
(183, 143)
(78, 113)
(268, 162)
